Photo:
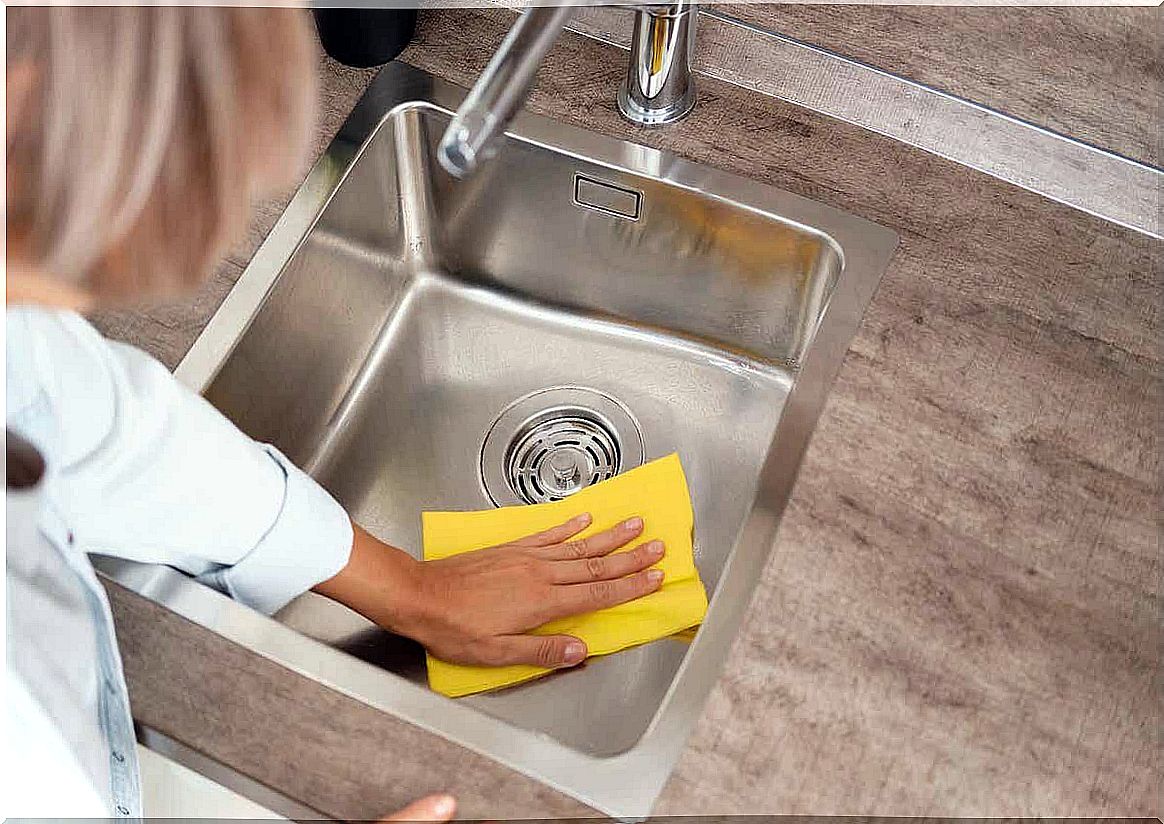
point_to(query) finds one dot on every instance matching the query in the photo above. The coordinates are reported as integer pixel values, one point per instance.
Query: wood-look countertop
(961, 615)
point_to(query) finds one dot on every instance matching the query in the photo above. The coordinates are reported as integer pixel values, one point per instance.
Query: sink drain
(551, 443)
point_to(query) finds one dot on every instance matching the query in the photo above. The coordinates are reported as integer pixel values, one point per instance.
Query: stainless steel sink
(580, 305)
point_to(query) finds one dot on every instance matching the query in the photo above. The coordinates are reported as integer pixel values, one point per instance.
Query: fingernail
(444, 805)
(584, 518)
(575, 652)
(655, 549)
(634, 523)
(654, 575)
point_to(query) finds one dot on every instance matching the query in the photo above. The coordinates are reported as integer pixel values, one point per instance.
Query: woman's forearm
(379, 581)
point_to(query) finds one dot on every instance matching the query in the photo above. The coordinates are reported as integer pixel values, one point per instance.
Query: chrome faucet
(658, 88)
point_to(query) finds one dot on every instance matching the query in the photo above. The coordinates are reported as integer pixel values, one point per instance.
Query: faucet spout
(500, 90)
(659, 86)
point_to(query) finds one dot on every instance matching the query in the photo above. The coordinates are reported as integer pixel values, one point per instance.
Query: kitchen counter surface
(961, 614)
(1091, 73)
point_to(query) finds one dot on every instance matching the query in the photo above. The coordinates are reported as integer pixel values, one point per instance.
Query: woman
(136, 138)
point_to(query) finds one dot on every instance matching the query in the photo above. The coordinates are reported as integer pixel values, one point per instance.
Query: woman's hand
(475, 608)
(478, 607)
(433, 808)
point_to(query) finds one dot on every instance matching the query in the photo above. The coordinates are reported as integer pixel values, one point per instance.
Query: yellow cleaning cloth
(656, 492)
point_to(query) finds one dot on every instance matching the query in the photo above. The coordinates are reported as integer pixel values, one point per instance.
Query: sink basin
(579, 306)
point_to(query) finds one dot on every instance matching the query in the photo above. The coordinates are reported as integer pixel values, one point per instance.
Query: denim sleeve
(308, 542)
(148, 470)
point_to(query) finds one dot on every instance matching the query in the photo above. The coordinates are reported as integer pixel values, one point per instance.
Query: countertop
(961, 613)
(1093, 73)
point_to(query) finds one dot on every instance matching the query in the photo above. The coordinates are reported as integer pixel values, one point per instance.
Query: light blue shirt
(139, 467)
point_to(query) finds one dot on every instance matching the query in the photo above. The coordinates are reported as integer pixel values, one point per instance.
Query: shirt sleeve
(147, 470)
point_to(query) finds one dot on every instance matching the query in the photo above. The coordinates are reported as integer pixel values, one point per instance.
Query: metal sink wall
(400, 333)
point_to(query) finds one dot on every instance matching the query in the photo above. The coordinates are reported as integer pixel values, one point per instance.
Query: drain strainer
(553, 442)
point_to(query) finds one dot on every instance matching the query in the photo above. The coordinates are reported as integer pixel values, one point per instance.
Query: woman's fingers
(557, 534)
(598, 544)
(430, 808)
(605, 567)
(550, 651)
(575, 599)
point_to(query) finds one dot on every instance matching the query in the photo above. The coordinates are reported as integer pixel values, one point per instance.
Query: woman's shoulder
(26, 320)
(58, 388)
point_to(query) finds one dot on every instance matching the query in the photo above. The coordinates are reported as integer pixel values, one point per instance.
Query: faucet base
(659, 86)
(677, 110)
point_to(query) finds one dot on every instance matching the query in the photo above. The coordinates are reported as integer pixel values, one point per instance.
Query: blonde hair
(142, 134)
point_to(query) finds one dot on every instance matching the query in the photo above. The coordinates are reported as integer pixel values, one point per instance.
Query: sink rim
(627, 784)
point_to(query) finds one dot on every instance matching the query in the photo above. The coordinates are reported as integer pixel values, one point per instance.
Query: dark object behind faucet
(364, 37)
